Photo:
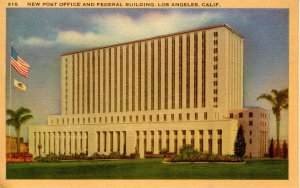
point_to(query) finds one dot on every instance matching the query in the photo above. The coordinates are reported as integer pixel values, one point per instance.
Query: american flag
(19, 64)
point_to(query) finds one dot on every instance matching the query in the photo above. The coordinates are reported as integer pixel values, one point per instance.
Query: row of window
(109, 57)
(250, 115)
(131, 118)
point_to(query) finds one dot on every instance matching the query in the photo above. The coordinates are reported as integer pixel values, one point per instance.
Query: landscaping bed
(189, 154)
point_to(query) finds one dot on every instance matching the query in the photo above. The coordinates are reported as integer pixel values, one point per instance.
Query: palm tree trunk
(278, 133)
(18, 140)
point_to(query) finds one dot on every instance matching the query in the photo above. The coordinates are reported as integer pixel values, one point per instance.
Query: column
(79, 142)
(42, 143)
(37, 141)
(130, 76)
(148, 141)
(62, 143)
(92, 143)
(83, 142)
(68, 149)
(141, 144)
(215, 141)
(169, 72)
(188, 137)
(149, 77)
(176, 72)
(143, 76)
(72, 149)
(136, 65)
(156, 137)
(101, 142)
(57, 141)
(108, 142)
(118, 78)
(155, 76)
(162, 73)
(205, 140)
(115, 141)
(179, 139)
(52, 142)
(122, 143)
(197, 140)
(47, 139)
(163, 139)
(112, 79)
(192, 68)
(171, 140)
(184, 67)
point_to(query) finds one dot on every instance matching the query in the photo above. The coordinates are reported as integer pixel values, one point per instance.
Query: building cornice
(157, 37)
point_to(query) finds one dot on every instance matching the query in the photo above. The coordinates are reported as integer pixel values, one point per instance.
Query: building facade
(255, 123)
(148, 95)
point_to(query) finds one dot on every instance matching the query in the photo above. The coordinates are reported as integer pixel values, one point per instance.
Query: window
(215, 75)
(172, 117)
(180, 117)
(165, 117)
(215, 67)
(250, 114)
(231, 115)
(215, 83)
(188, 116)
(250, 123)
(205, 115)
(215, 34)
(136, 118)
(250, 133)
(157, 117)
(215, 50)
(196, 116)
(130, 118)
(150, 117)
(250, 141)
(219, 132)
(241, 115)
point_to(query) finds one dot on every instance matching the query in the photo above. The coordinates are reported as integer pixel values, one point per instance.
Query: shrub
(271, 149)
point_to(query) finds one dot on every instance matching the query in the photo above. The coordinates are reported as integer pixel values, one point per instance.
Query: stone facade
(148, 95)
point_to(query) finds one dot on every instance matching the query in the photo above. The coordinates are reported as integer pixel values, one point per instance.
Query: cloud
(116, 28)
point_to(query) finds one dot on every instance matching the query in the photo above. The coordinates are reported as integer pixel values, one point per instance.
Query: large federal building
(154, 94)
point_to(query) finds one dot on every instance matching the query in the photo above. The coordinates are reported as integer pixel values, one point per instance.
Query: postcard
(149, 93)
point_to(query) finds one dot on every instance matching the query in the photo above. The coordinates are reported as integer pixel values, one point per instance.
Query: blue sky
(40, 36)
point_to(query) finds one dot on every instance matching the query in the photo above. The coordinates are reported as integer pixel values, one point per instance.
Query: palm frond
(267, 97)
(20, 111)
(11, 113)
(11, 122)
(25, 119)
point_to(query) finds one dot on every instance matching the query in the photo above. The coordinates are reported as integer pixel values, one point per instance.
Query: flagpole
(10, 94)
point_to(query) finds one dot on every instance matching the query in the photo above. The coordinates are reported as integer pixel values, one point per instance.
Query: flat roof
(156, 37)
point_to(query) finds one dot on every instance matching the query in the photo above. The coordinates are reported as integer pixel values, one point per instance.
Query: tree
(279, 101)
(271, 149)
(240, 144)
(17, 119)
(285, 150)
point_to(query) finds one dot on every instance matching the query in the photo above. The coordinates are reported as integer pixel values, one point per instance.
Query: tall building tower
(147, 95)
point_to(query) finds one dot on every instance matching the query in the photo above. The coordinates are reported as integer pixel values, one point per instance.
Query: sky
(40, 36)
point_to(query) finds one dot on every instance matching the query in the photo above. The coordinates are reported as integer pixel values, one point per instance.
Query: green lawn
(149, 169)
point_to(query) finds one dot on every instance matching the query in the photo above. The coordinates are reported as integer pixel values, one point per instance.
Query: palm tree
(279, 101)
(17, 119)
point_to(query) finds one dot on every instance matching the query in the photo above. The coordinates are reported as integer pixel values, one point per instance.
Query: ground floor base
(206, 136)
